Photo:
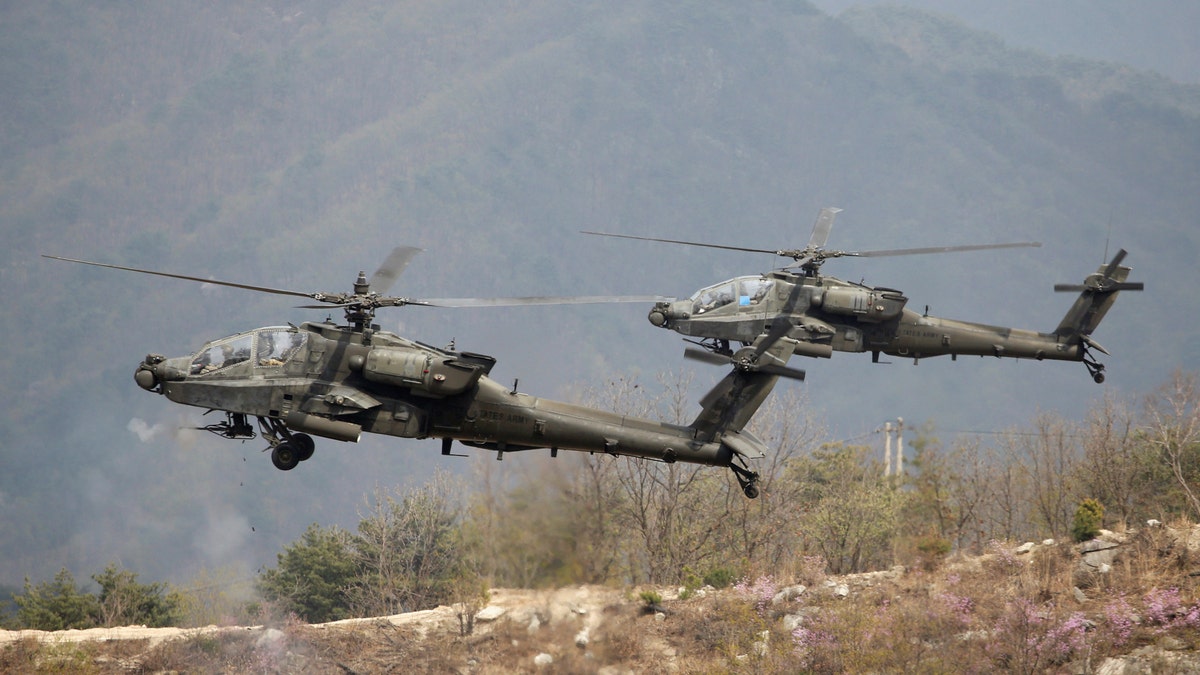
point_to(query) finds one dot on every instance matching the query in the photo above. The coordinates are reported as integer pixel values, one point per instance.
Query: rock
(659, 617)
(542, 660)
(841, 590)
(1097, 556)
(269, 638)
(1025, 548)
(581, 638)
(788, 594)
(1171, 644)
(490, 613)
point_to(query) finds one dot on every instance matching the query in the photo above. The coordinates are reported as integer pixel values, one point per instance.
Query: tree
(760, 533)
(407, 551)
(1173, 419)
(1088, 519)
(1118, 468)
(125, 602)
(848, 514)
(1051, 457)
(313, 575)
(56, 605)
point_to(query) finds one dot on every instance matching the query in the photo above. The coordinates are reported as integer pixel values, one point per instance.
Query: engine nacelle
(866, 304)
(425, 373)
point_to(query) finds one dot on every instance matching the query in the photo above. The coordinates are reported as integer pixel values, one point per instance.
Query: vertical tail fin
(729, 406)
(1097, 294)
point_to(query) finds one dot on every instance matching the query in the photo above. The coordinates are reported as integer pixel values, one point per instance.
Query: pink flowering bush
(1028, 638)
(761, 591)
(1166, 611)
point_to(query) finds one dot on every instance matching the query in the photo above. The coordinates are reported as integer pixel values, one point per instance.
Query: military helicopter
(339, 381)
(821, 314)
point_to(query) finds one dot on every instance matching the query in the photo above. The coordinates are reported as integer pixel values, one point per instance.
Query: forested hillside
(291, 144)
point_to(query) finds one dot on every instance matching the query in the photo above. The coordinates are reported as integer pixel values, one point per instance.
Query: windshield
(753, 290)
(222, 354)
(277, 345)
(746, 291)
(271, 347)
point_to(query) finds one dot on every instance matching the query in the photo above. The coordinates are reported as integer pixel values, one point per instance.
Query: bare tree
(1009, 515)
(407, 549)
(848, 512)
(1173, 428)
(951, 490)
(1050, 455)
(1116, 466)
(974, 493)
(762, 532)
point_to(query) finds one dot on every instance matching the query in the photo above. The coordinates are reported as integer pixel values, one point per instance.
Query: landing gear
(1095, 368)
(287, 449)
(285, 456)
(747, 479)
(304, 445)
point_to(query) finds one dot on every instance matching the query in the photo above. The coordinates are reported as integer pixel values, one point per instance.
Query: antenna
(1107, 236)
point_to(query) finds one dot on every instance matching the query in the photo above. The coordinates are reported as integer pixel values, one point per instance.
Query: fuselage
(328, 381)
(829, 315)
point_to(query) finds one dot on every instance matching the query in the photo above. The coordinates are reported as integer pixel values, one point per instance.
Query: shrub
(719, 577)
(652, 600)
(1088, 518)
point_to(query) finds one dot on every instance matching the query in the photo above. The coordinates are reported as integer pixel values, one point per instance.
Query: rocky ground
(590, 629)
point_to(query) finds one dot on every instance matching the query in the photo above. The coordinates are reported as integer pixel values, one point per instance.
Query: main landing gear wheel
(285, 456)
(304, 445)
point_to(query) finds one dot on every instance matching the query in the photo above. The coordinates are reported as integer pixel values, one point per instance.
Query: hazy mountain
(1156, 35)
(292, 144)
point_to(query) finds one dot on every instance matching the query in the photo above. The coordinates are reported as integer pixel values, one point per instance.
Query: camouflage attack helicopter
(821, 314)
(338, 381)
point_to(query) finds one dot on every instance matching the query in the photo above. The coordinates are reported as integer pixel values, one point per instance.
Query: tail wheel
(747, 480)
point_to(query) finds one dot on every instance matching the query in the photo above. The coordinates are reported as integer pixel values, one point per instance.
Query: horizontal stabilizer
(1096, 295)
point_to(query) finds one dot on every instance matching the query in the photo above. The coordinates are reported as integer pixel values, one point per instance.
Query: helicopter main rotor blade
(539, 300)
(685, 243)
(390, 269)
(936, 249)
(248, 287)
(822, 227)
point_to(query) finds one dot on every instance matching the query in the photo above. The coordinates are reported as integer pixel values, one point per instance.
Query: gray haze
(292, 145)
(1158, 35)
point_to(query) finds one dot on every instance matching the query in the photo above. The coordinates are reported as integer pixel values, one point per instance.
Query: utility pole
(887, 449)
(898, 428)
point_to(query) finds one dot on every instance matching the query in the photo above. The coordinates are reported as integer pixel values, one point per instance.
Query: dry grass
(1000, 612)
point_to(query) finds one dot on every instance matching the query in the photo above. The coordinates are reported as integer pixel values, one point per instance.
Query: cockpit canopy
(746, 291)
(265, 347)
